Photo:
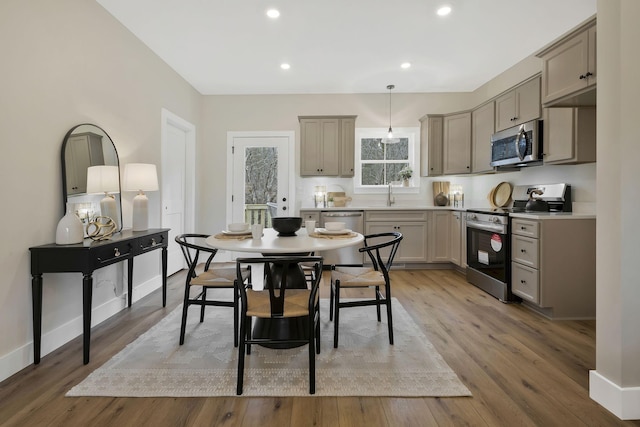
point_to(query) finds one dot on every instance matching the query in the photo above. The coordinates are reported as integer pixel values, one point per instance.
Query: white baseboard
(22, 357)
(623, 402)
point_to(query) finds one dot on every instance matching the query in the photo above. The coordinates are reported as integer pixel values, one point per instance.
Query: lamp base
(109, 208)
(140, 212)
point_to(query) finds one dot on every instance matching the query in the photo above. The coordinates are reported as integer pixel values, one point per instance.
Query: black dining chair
(192, 246)
(280, 301)
(381, 249)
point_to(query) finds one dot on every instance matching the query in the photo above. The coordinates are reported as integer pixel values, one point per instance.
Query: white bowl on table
(237, 227)
(334, 226)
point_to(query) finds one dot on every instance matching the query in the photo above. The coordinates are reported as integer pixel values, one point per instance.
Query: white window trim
(413, 135)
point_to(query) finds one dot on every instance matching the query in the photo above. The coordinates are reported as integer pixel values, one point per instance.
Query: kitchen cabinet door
(439, 236)
(456, 145)
(321, 145)
(455, 237)
(482, 127)
(569, 67)
(431, 128)
(347, 146)
(569, 135)
(520, 105)
(413, 247)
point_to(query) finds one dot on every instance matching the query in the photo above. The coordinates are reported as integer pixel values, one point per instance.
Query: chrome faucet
(390, 200)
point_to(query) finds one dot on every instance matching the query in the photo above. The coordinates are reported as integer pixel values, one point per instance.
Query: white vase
(69, 229)
(405, 182)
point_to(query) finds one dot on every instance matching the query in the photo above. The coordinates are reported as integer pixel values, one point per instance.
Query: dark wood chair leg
(336, 314)
(389, 315)
(243, 325)
(248, 333)
(317, 316)
(236, 298)
(331, 302)
(204, 298)
(312, 354)
(185, 308)
(378, 303)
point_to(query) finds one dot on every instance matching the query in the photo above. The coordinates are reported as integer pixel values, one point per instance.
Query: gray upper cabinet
(347, 146)
(431, 133)
(569, 69)
(518, 105)
(456, 146)
(569, 135)
(482, 127)
(327, 145)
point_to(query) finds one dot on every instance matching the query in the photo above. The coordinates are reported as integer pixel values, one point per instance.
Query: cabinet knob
(523, 281)
(522, 250)
(523, 228)
(116, 252)
(153, 242)
(589, 73)
(582, 76)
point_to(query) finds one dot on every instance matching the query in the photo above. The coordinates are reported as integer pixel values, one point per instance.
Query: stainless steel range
(489, 236)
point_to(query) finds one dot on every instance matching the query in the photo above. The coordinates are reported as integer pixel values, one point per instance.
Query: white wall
(615, 383)
(67, 62)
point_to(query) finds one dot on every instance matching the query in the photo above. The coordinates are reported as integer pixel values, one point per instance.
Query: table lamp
(140, 177)
(105, 179)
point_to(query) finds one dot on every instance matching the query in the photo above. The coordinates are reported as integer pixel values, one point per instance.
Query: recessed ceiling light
(285, 66)
(273, 13)
(444, 11)
(405, 65)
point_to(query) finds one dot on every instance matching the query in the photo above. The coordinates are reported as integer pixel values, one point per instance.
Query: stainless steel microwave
(517, 146)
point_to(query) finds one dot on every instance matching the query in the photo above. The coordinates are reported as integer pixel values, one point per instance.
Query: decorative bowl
(334, 226)
(238, 226)
(286, 225)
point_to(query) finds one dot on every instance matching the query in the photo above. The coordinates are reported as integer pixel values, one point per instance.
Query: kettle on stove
(536, 204)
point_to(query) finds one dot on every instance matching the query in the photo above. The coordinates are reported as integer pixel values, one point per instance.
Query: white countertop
(552, 215)
(525, 215)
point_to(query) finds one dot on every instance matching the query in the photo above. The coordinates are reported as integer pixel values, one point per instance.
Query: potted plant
(405, 174)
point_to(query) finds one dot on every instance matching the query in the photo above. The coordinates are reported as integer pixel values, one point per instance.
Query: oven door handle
(494, 228)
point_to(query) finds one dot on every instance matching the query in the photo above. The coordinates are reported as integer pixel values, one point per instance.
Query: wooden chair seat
(357, 277)
(295, 305)
(216, 278)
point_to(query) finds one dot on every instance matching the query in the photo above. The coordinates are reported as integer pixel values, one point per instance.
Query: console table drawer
(151, 242)
(113, 253)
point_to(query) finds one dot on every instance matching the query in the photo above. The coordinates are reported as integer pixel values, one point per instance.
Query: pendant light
(390, 139)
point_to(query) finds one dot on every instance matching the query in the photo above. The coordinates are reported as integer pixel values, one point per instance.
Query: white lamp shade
(103, 179)
(140, 177)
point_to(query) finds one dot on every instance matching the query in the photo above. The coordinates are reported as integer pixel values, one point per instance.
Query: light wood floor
(522, 369)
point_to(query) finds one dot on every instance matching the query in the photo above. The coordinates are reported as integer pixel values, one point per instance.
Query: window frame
(413, 136)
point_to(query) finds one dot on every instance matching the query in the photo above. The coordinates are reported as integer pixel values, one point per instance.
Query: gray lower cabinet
(553, 266)
(412, 225)
(310, 216)
(439, 236)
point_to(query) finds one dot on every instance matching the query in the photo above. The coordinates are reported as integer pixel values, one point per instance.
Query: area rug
(364, 364)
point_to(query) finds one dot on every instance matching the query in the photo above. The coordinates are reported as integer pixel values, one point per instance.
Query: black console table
(84, 258)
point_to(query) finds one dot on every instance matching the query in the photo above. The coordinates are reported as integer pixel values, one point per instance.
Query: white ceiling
(344, 46)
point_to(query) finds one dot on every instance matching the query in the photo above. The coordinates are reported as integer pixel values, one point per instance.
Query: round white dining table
(271, 243)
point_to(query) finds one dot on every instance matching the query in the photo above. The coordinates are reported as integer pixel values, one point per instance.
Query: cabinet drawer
(150, 242)
(113, 253)
(524, 250)
(392, 215)
(525, 227)
(525, 282)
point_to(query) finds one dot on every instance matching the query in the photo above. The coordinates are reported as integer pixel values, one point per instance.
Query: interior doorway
(178, 183)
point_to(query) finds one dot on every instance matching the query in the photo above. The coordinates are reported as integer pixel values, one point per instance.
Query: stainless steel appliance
(517, 146)
(489, 253)
(354, 221)
(489, 237)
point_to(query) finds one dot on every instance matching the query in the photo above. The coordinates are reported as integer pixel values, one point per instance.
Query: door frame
(291, 137)
(171, 119)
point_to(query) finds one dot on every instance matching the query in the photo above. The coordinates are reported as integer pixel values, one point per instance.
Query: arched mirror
(87, 150)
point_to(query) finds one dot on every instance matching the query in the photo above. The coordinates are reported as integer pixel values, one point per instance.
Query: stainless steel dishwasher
(354, 221)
